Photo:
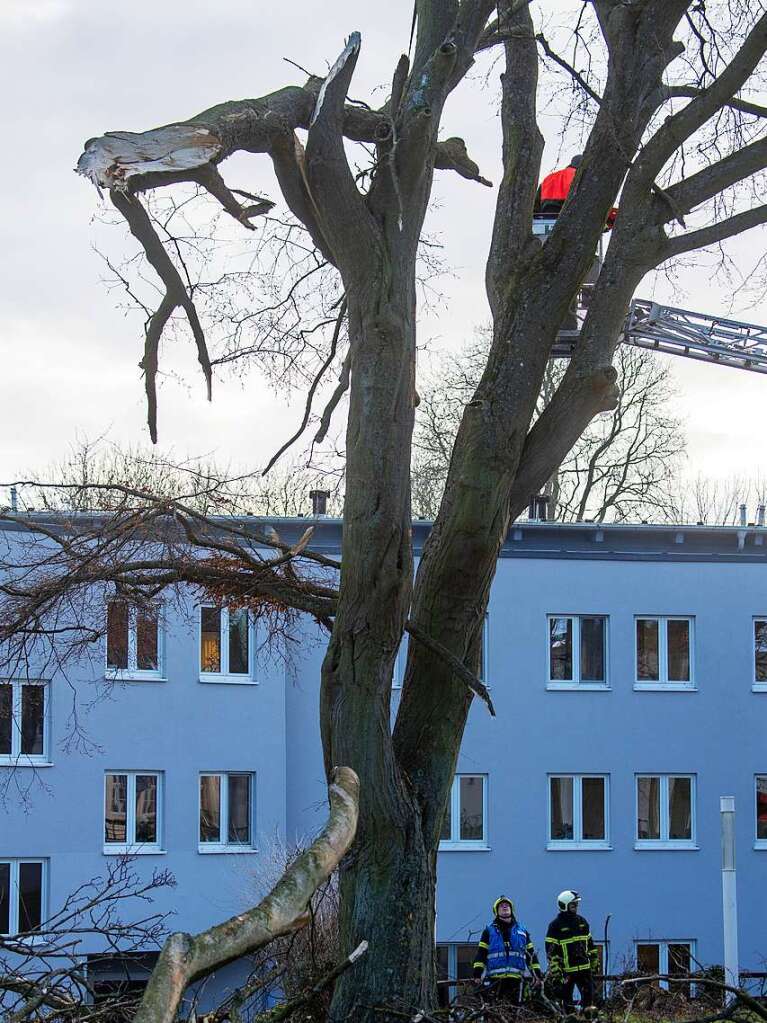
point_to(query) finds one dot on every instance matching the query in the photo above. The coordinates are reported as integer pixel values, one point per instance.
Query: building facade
(628, 668)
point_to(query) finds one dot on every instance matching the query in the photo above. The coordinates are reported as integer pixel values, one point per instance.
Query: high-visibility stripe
(483, 944)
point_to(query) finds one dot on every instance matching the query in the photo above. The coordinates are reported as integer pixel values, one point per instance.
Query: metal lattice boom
(663, 328)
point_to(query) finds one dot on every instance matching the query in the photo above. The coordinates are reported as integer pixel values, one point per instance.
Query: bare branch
(682, 125)
(693, 92)
(716, 232)
(176, 294)
(575, 75)
(712, 180)
(341, 388)
(453, 662)
(314, 385)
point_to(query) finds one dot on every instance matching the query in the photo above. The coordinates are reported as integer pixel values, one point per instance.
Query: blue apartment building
(628, 667)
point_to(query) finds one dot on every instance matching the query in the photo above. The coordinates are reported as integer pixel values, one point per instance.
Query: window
(454, 962)
(133, 641)
(132, 812)
(226, 645)
(664, 653)
(577, 651)
(465, 824)
(760, 654)
(578, 811)
(665, 811)
(226, 812)
(22, 895)
(24, 731)
(761, 811)
(667, 959)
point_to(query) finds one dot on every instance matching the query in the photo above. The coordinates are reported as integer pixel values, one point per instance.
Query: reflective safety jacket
(556, 186)
(569, 945)
(505, 950)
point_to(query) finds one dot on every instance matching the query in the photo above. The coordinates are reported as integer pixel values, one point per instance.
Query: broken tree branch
(176, 294)
(458, 667)
(281, 1012)
(186, 958)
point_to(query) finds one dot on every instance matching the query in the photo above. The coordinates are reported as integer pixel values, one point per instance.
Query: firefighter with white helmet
(573, 958)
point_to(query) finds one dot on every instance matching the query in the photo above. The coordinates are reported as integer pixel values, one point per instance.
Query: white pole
(729, 893)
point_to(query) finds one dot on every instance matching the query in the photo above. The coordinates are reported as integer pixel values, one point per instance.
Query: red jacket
(556, 186)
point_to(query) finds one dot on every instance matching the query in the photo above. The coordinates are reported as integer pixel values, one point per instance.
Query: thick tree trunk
(389, 866)
(388, 895)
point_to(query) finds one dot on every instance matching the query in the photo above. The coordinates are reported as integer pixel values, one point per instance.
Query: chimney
(319, 501)
(760, 515)
(539, 507)
(742, 515)
(14, 500)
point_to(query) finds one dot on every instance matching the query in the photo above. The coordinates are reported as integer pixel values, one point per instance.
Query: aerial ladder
(664, 328)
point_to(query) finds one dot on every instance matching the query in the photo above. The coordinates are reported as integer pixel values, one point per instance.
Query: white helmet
(568, 899)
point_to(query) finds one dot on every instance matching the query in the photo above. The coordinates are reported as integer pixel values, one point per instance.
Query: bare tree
(669, 128)
(85, 478)
(623, 466)
(717, 501)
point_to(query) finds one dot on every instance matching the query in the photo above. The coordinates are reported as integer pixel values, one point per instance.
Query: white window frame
(664, 842)
(225, 676)
(401, 659)
(133, 673)
(757, 685)
(16, 758)
(224, 846)
(663, 944)
(15, 862)
(662, 684)
(459, 844)
(452, 961)
(131, 847)
(574, 684)
(577, 842)
(759, 843)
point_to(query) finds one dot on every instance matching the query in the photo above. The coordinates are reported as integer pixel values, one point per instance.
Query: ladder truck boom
(663, 328)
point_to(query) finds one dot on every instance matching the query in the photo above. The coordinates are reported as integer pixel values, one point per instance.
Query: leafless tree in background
(672, 128)
(95, 474)
(717, 501)
(624, 465)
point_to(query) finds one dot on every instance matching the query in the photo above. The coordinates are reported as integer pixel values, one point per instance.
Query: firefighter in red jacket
(555, 188)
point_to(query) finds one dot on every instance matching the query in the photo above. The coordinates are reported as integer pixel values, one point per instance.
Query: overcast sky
(72, 69)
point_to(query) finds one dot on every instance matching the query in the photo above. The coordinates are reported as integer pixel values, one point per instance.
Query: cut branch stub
(452, 155)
